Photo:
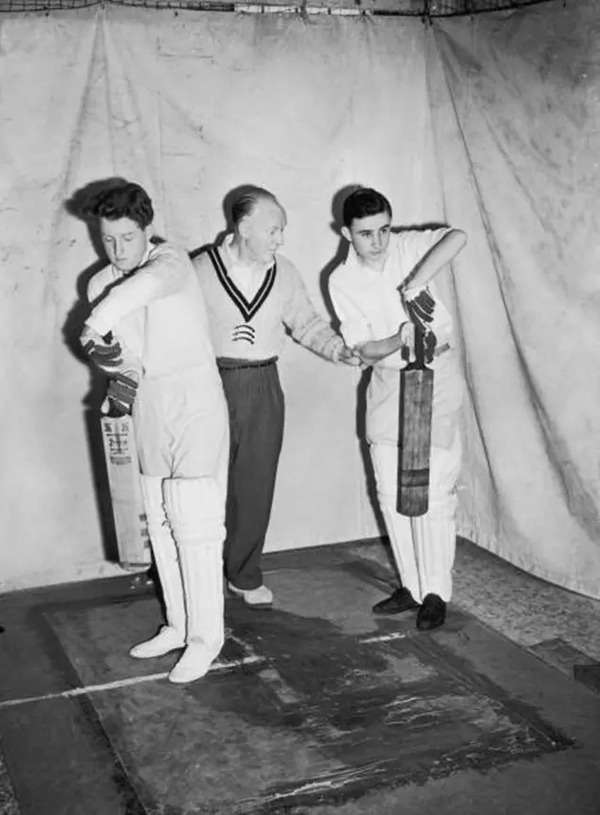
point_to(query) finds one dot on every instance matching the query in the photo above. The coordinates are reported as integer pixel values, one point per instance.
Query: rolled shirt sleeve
(162, 274)
(414, 245)
(100, 282)
(368, 303)
(105, 278)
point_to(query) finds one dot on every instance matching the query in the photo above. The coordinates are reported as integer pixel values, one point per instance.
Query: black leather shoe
(432, 613)
(401, 600)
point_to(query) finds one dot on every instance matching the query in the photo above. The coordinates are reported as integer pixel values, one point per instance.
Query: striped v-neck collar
(247, 308)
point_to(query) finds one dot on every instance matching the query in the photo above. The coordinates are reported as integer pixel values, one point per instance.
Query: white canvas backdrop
(191, 105)
(518, 123)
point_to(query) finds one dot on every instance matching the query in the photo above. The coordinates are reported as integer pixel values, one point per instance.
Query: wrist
(338, 349)
(95, 325)
(410, 292)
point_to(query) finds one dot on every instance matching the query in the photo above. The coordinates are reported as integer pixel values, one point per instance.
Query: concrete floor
(83, 730)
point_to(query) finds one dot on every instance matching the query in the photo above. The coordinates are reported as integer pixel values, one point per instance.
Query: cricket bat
(414, 420)
(121, 458)
(414, 434)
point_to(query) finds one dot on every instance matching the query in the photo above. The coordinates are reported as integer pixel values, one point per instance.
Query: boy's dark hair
(246, 199)
(127, 200)
(362, 202)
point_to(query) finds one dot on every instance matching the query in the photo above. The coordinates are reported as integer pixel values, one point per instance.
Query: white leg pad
(172, 635)
(195, 508)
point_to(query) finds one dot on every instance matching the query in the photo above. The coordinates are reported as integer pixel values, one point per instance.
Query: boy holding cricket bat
(384, 296)
(147, 330)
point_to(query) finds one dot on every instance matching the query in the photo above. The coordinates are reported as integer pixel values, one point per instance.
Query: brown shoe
(432, 613)
(401, 600)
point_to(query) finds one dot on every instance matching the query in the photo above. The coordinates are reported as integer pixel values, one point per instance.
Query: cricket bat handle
(105, 407)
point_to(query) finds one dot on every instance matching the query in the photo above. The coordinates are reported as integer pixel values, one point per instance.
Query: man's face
(370, 237)
(262, 231)
(125, 242)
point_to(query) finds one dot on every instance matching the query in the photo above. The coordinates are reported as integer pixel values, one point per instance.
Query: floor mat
(313, 701)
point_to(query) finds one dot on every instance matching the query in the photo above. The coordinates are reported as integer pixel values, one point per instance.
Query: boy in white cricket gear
(253, 294)
(379, 313)
(147, 302)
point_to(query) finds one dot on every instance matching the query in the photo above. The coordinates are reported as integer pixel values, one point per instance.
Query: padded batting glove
(425, 342)
(121, 393)
(421, 308)
(104, 356)
(104, 352)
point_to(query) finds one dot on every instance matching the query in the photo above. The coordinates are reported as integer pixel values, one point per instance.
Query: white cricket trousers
(424, 546)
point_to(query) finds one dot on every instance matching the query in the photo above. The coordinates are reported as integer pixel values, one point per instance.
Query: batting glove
(425, 342)
(104, 352)
(121, 393)
(421, 308)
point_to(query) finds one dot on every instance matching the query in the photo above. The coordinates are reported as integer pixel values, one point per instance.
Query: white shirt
(367, 301)
(369, 307)
(245, 277)
(157, 312)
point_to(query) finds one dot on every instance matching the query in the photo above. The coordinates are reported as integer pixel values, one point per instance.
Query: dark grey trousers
(256, 415)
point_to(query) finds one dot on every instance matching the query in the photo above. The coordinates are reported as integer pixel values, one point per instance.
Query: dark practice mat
(313, 701)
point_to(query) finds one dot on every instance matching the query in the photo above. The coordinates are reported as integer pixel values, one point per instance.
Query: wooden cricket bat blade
(414, 440)
(120, 453)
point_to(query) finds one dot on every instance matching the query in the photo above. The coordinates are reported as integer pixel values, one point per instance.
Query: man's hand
(105, 355)
(349, 356)
(121, 393)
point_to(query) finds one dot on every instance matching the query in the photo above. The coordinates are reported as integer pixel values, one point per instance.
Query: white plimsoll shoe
(261, 596)
(193, 663)
(167, 639)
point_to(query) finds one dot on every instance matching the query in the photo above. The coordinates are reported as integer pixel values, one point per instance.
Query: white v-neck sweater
(255, 329)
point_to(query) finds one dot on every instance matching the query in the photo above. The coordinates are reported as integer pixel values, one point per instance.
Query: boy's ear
(346, 233)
